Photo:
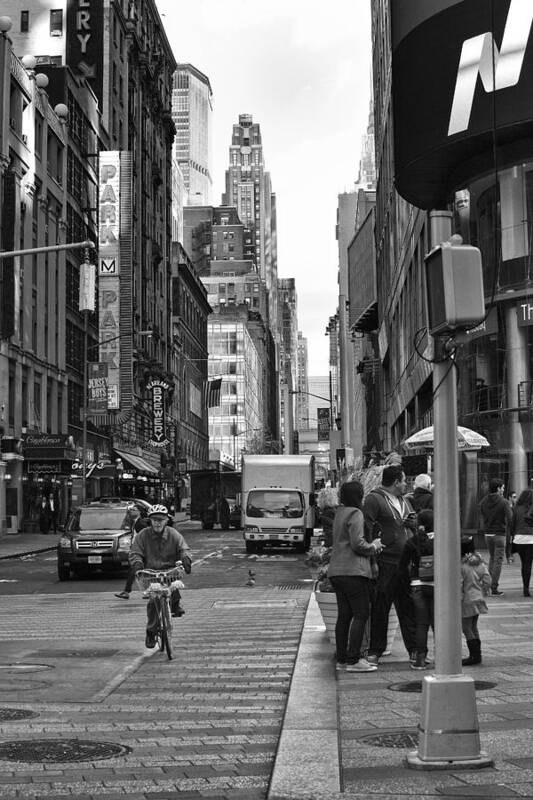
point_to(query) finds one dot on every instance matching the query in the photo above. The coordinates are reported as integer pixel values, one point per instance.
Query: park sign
(461, 86)
(158, 387)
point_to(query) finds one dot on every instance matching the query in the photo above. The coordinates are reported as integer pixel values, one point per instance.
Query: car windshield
(100, 519)
(272, 503)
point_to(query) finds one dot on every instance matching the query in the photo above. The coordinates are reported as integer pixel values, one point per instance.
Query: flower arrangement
(318, 559)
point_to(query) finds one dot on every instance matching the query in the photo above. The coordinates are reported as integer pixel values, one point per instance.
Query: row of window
(56, 21)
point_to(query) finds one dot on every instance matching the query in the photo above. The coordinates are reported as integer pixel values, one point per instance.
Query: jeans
(353, 605)
(525, 551)
(423, 602)
(469, 625)
(391, 587)
(151, 613)
(496, 548)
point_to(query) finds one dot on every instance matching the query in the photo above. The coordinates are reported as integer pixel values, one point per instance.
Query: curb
(28, 553)
(307, 758)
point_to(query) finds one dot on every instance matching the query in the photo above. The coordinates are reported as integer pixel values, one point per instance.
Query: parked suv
(97, 537)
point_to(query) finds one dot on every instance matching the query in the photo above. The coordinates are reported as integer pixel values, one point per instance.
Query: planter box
(327, 602)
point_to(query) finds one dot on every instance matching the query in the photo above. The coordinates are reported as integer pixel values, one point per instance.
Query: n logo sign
(497, 69)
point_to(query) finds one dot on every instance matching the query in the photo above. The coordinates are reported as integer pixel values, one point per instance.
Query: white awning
(137, 462)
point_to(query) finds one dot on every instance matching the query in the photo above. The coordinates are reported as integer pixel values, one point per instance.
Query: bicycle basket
(153, 580)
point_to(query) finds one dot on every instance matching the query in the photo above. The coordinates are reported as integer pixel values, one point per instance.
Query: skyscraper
(192, 111)
(249, 189)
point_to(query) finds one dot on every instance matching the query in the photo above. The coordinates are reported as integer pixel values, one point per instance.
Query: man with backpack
(417, 566)
(496, 517)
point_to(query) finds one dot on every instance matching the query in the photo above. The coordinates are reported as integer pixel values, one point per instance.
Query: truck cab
(277, 501)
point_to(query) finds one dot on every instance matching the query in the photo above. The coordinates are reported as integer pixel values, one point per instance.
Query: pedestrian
(327, 501)
(417, 562)
(159, 547)
(511, 499)
(496, 517)
(45, 515)
(422, 496)
(350, 571)
(475, 586)
(389, 515)
(140, 521)
(522, 535)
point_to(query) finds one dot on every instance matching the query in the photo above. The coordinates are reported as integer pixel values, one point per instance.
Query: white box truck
(278, 500)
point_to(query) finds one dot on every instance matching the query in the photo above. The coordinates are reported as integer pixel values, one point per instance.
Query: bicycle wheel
(166, 629)
(159, 605)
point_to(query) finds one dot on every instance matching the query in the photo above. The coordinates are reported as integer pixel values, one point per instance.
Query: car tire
(251, 547)
(63, 571)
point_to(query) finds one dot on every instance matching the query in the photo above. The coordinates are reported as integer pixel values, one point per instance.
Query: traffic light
(454, 286)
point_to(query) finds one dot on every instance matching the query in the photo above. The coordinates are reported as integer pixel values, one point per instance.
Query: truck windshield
(271, 503)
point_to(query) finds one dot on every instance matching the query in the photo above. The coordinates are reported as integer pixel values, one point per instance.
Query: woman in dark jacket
(327, 501)
(522, 535)
(350, 572)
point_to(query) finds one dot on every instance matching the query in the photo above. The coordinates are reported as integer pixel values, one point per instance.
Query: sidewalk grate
(416, 686)
(285, 587)
(404, 739)
(14, 714)
(59, 750)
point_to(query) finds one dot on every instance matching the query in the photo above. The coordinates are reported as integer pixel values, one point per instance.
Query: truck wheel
(251, 547)
(224, 524)
(63, 572)
(207, 526)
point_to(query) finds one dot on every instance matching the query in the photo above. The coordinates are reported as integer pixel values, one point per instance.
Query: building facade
(192, 110)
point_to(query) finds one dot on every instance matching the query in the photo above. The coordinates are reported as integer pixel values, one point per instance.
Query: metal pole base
(449, 728)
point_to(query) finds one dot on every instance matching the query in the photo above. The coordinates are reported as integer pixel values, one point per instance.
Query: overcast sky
(302, 68)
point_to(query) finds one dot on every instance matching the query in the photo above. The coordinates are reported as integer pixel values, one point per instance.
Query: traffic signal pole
(449, 727)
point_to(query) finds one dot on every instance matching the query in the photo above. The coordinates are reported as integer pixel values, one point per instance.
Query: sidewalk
(347, 735)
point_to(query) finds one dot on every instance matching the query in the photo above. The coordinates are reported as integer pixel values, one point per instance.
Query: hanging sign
(158, 387)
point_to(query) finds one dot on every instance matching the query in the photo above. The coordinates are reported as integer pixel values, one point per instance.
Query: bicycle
(157, 585)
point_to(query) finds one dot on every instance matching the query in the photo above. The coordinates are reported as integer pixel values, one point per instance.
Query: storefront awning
(137, 462)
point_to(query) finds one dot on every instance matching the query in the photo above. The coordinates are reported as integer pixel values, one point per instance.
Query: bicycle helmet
(158, 511)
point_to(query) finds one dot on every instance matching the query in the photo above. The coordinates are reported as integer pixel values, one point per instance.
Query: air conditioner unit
(56, 32)
(11, 122)
(24, 138)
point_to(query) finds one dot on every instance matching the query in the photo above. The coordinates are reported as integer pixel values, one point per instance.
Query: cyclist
(159, 546)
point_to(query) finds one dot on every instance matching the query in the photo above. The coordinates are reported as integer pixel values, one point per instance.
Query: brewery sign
(157, 388)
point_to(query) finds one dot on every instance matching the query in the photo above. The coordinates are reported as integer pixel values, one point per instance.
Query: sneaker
(373, 660)
(123, 595)
(497, 593)
(340, 666)
(150, 640)
(361, 666)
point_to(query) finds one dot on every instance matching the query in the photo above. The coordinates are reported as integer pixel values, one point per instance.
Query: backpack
(426, 568)
(426, 564)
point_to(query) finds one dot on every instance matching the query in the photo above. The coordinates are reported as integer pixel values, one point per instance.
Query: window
(56, 22)
(24, 21)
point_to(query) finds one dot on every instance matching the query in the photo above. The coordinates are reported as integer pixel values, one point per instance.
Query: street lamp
(319, 397)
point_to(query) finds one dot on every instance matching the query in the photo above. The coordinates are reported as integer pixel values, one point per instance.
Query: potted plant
(318, 560)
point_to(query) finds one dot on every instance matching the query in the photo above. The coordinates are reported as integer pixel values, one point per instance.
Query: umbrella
(466, 439)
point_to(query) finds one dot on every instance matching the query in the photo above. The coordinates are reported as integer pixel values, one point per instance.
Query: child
(417, 565)
(475, 586)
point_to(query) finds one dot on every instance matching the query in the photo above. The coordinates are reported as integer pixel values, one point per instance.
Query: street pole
(449, 727)
(50, 249)
(84, 411)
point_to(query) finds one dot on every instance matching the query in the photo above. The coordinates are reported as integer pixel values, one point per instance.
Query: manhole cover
(76, 653)
(399, 739)
(18, 668)
(59, 750)
(12, 714)
(416, 686)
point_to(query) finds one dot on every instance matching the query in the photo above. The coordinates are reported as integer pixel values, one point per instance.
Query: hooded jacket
(421, 498)
(496, 514)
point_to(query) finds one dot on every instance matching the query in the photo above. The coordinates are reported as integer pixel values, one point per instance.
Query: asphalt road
(219, 560)
(205, 724)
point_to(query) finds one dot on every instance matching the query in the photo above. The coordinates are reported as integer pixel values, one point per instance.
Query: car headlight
(124, 542)
(65, 542)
